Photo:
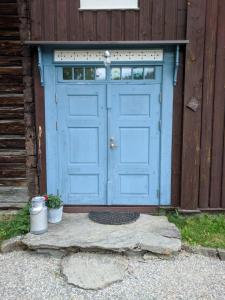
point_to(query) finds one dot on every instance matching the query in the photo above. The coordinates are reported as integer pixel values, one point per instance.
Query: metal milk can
(38, 215)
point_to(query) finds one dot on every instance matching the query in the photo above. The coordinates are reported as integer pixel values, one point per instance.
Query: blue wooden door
(134, 140)
(82, 143)
(108, 143)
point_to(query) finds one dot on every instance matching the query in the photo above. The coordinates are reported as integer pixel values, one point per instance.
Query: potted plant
(55, 208)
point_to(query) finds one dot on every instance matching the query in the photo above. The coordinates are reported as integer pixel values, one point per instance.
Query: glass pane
(115, 73)
(100, 74)
(126, 73)
(67, 73)
(150, 73)
(78, 73)
(89, 73)
(138, 73)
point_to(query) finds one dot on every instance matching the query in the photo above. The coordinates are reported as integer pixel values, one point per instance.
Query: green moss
(205, 230)
(18, 224)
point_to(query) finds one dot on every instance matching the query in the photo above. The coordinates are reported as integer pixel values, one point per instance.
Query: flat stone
(13, 244)
(205, 251)
(52, 252)
(150, 256)
(221, 253)
(94, 271)
(149, 233)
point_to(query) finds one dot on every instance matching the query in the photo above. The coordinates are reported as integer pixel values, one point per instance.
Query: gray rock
(205, 251)
(94, 271)
(221, 253)
(149, 256)
(210, 252)
(52, 252)
(149, 233)
(13, 244)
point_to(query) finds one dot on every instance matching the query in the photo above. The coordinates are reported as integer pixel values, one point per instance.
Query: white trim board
(115, 55)
(108, 4)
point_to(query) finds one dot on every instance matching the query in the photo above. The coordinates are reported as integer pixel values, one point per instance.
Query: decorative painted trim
(40, 66)
(115, 55)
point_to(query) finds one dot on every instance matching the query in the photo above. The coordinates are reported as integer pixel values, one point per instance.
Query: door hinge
(158, 194)
(160, 125)
(160, 97)
(56, 125)
(56, 99)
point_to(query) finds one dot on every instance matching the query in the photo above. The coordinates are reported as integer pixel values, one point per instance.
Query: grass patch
(18, 224)
(204, 229)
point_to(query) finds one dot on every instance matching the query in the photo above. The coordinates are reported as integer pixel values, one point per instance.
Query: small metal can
(38, 216)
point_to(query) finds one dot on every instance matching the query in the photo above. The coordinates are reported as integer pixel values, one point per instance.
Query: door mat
(113, 218)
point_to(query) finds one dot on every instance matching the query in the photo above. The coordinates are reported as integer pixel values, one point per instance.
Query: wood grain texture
(170, 27)
(177, 133)
(40, 125)
(49, 25)
(218, 119)
(207, 103)
(193, 90)
(198, 137)
(158, 15)
(62, 20)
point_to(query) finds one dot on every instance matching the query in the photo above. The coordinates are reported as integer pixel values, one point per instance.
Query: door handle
(112, 144)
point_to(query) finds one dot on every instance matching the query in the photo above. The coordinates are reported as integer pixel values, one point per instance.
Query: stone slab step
(148, 234)
(93, 270)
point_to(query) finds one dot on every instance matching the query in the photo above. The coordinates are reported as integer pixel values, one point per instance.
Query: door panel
(82, 127)
(134, 137)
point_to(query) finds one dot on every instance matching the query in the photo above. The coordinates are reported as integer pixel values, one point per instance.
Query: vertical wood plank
(75, 21)
(49, 20)
(170, 27)
(116, 26)
(207, 104)
(145, 20)
(158, 19)
(61, 20)
(193, 90)
(218, 119)
(103, 26)
(131, 25)
(36, 20)
(89, 26)
(181, 19)
(177, 133)
(40, 127)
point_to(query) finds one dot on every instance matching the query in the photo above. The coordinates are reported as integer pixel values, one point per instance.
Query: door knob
(112, 143)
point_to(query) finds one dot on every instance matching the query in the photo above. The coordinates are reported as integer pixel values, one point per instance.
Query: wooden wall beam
(217, 193)
(207, 104)
(192, 104)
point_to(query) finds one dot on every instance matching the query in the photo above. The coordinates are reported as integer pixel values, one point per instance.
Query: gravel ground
(26, 276)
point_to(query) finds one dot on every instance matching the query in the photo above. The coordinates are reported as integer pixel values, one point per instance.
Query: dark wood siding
(16, 160)
(13, 185)
(62, 20)
(198, 174)
(202, 162)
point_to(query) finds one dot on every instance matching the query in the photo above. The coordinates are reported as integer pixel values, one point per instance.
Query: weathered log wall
(17, 139)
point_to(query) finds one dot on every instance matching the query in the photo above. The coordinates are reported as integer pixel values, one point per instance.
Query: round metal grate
(113, 218)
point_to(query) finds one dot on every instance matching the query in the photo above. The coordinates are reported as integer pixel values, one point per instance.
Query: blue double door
(109, 143)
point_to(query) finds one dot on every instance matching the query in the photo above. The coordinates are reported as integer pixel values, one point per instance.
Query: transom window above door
(132, 73)
(116, 73)
(84, 73)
